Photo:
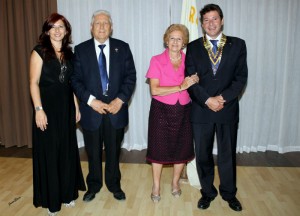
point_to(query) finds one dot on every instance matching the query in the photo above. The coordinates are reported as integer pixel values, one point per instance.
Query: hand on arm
(195, 78)
(189, 81)
(158, 90)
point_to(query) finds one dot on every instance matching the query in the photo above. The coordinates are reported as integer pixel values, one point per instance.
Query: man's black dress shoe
(89, 196)
(234, 204)
(204, 202)
(119, 195)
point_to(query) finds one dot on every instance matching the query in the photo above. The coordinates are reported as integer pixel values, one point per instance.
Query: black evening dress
(57, 174)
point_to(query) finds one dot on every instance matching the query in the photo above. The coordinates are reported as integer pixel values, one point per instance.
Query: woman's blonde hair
(177, 27)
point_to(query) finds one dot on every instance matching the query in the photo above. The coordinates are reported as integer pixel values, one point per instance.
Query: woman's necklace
(56, 49)
(58, 52)
(175, 59)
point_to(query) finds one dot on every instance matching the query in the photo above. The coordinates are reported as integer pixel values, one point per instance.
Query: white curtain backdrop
(269, 117)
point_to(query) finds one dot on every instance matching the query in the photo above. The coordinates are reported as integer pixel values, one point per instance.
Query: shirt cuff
(91, 98)
(206, 101)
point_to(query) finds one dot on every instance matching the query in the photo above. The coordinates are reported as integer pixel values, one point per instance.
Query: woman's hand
(195, 77)
(41, 119)
(77, 110)
(189, 81)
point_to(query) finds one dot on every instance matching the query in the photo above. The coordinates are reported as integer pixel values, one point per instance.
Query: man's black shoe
(119, 195)
(89, 196)
(235, 204)
(204, 202)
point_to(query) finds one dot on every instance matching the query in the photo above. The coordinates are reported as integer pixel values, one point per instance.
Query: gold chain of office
(215, 58)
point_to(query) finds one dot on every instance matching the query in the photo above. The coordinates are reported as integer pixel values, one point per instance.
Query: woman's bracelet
(38, 108)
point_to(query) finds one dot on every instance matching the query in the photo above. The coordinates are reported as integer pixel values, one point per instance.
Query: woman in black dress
(57, 174)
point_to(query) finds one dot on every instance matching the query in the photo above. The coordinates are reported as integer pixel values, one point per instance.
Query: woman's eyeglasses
(63, 69)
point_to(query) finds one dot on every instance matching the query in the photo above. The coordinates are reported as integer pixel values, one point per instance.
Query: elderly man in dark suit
(220, 62)
(103, 80)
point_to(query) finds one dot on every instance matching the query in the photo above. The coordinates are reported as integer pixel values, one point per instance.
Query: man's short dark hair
(210, 7)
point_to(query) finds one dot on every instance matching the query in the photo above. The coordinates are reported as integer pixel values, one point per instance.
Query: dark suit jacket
(86, 81)
(229, 81)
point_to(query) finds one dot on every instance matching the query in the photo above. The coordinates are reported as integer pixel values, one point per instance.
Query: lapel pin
(116, 49)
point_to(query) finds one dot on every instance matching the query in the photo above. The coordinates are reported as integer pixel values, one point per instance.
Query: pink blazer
(161, 68)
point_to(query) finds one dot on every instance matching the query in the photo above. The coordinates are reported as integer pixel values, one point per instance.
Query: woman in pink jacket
(170, 132)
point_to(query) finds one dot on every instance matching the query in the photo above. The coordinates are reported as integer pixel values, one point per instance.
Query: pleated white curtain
(269, 117)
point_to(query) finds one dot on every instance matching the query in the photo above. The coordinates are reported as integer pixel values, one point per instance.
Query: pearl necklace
(176, 59)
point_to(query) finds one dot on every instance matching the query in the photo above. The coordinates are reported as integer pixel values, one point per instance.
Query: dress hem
(169, 162)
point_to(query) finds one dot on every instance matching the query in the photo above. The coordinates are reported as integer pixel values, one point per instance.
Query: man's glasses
(63, 69)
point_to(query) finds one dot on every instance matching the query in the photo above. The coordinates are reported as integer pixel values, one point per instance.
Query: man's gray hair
(105, 12)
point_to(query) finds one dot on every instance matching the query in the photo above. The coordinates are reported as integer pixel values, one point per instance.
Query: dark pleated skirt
(170, 139)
